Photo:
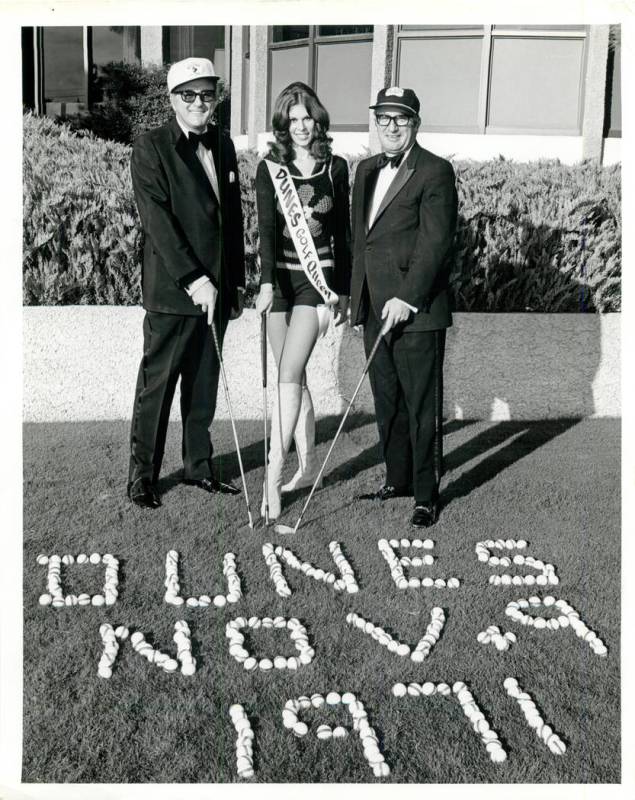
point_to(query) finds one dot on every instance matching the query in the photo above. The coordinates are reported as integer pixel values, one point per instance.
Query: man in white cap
(186, 185)
(403, 221)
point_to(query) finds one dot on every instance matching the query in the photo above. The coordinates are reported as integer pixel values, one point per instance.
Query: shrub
(81, 236)
(538, 237)
(135, 99)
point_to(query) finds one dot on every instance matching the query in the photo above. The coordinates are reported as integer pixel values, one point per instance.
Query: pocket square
(232, 176)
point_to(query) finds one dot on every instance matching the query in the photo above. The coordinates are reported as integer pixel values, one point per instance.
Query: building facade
(521, 91)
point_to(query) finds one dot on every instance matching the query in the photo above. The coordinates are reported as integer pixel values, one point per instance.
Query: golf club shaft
(341, 425)
(263, 362)
(231, 417)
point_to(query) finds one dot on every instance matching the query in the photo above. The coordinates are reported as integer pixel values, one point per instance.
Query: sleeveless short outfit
(324, 197)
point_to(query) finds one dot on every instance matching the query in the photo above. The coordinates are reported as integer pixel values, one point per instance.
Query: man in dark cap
(186, 185)
(403, 222)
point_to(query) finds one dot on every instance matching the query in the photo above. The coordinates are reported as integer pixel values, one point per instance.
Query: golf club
(231, 416)
(263, 362)
(287, 529)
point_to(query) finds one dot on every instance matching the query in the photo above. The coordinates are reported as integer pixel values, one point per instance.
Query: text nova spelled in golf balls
(274, 558)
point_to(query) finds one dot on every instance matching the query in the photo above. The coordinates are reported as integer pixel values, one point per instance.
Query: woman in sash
(304, 226)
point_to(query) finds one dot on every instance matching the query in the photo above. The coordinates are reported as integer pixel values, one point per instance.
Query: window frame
(311, 42)
(614, 63)
(130, 53)
(489, 33)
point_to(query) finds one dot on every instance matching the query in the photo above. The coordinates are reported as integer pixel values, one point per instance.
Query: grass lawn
(555, 484)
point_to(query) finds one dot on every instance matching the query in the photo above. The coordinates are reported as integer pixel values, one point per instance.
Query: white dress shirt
(385, 177)
(207, 160)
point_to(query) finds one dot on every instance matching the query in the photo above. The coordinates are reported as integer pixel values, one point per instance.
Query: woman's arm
(341, 227)
(266, 203)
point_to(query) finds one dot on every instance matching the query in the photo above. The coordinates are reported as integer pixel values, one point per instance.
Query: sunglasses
(384, 120)
(189, 95)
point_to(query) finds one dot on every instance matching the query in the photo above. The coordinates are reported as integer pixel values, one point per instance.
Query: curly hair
(299, 93)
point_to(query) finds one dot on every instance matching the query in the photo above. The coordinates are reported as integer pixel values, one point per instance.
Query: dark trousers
(175, 346)
(406, 376)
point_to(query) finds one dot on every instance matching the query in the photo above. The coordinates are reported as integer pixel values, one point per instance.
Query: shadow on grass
(371, 456)
(493, 449)
(496, 449)
(508, 442)
(226, 465)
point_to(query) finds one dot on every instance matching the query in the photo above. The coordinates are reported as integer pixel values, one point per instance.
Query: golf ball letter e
(241, 629)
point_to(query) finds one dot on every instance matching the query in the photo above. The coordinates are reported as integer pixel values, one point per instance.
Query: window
(71, 62)
(63, 65)
(107, 45)
(613, 109)
(30, 87)
(449, 95)
(547, 96)
(335, 60)
(287, 66)
(344, 30)
(475, 78)
(541, 29)
(200, 41)
(343, 81)
(288, 33)
(453, 28)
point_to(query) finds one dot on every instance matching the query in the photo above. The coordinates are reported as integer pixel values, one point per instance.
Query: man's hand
(394, 312)
(205, 297)
(341, 309)
(264, 301)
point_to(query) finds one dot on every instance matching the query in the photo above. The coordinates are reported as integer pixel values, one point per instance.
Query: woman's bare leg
(292, 337)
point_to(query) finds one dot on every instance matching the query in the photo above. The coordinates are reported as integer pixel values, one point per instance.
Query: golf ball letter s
(239, 629)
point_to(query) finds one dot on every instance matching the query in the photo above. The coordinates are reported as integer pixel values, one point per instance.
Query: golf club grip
(371, 355)
(263, 346)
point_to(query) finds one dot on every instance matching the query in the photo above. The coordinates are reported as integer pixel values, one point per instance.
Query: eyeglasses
(189, 95)
(400, 120)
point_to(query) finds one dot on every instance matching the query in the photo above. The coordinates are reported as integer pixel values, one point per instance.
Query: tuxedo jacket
(406, 253)
(185, 235)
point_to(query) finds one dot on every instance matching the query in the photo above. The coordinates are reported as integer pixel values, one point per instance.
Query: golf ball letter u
(251, 640)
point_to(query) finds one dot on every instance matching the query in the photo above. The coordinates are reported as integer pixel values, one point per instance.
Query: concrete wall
(80, 363)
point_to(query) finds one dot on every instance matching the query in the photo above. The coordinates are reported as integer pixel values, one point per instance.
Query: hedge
(135, 99)
(532, 236)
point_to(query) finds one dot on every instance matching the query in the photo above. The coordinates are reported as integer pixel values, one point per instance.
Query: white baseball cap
(189, 70)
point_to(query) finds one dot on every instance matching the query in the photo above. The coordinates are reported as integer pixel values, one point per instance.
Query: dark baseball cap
(398, 97)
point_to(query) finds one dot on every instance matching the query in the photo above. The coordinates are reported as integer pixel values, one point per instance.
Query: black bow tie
(200, 138)
(394, 161)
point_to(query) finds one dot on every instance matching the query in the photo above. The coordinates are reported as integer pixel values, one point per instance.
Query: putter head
(284, 530)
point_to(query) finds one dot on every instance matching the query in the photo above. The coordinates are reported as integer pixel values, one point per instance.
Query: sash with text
(298, 229)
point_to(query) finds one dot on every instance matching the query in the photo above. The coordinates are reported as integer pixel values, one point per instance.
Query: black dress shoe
(212, 485)
(387, 492)
(425, 515)
(143, 493)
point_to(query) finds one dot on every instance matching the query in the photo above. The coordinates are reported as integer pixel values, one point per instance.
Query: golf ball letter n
(563, 615)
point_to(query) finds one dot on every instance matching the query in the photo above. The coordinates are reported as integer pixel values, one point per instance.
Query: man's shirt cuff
(197, 284)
